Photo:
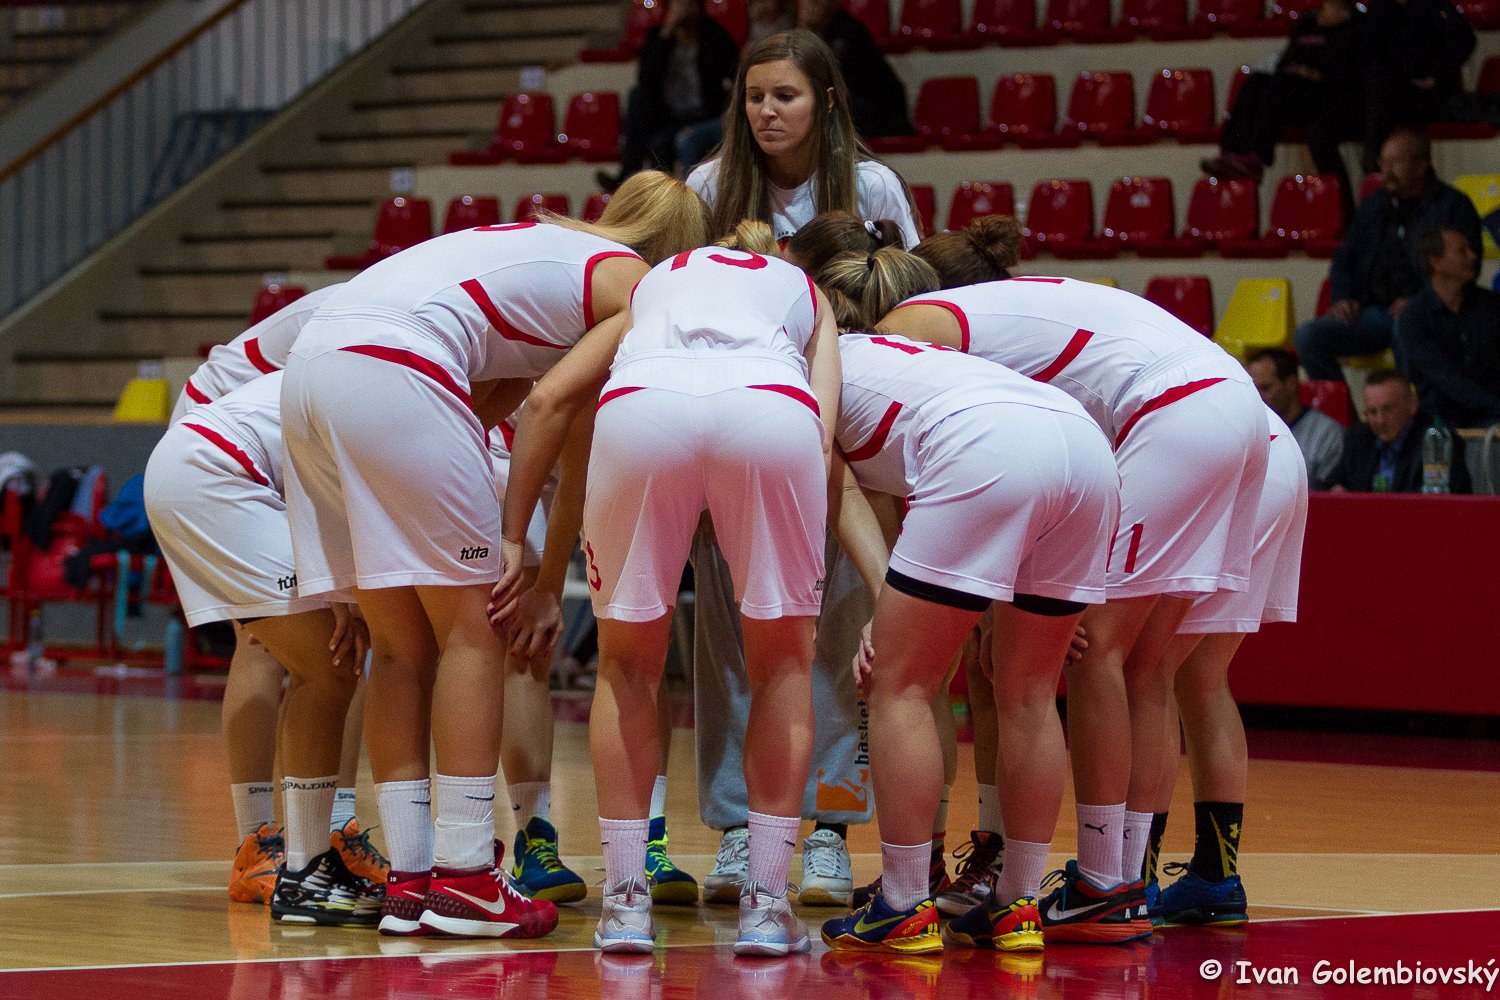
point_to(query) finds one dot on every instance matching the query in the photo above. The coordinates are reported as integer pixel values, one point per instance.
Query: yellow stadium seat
(1385, 359)
(1259, 315)
(1484, 191)
(1106, 282)
(144, 401)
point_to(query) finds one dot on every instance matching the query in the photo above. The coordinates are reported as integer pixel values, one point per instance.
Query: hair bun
(997, 238)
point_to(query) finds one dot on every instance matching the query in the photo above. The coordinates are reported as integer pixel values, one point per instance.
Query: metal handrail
(165, 123)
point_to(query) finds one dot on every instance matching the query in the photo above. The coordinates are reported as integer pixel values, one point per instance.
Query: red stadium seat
(1325, 297)
(874, 15)
(1153, 15)
(639, 17)
(1181, 104)
(1234, 16)
(400, 223)
(526, 132)
(1226, 214)
(947, 114)
(1060, 220)
(1102, 107)
(1284, 12)
(1023, 108)
(1139, 210)
(929, 24)
(1489, 76)
(591, 128)
(1370, 184)
(925, 198)
(1085, 21)
(1008, 22)
(1307, 211)
(594, 206)
(732, 15)
(527, 204)
(1482, 14)
(1189, 297)
(467, 212)
(973, 199)
(1328, 396)
(273, 298)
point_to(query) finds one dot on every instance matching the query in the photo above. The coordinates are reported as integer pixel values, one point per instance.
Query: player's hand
(351, 638)
(536, 625)
(1346, 311)
(507, 593)
(864, 660)
(1078, 646)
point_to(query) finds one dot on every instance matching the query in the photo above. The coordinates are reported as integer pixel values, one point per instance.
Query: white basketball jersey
(493, 302)
(1091, 341)
(895, 391)
(246, 424)
(712, 319)
(258, 351)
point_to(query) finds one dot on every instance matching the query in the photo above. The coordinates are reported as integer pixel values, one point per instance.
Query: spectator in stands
(877, 95)
(1448, 338)
(1384, 454)
(683, 78)
(1320, 437)
(1316, 84)
(1377, 269)
(1414, 51)
(770, 16)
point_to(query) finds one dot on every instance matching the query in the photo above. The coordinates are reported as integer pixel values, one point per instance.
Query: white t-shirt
(881, 196)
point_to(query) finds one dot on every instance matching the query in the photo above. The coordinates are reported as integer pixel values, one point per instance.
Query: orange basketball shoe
(253, 875)
(360, 856)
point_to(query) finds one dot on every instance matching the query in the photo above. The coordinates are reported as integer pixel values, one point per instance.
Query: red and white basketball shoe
(483, 903)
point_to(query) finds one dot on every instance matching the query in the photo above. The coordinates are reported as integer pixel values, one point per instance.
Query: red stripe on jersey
(1165, 399)
(508, 435)
(588, 282)
(194, 393)
(416, 363)
(1044, 281)
(252, 351)
(1063, 360)
(812, 290)
(800, 395)
(1275, 436)
(231, 449)
(681, 260)
(507, 330)
(872, 447)
(615, 394)
(958, 314)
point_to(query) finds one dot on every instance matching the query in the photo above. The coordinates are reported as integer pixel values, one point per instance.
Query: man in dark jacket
(876, 95)
(1384, 454)
(684, 75)
(1377, 269)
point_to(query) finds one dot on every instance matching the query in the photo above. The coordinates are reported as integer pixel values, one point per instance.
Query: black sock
(1153, 846)
(842, 829)
(1216, 847)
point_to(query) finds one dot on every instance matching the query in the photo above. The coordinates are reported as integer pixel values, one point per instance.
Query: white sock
(464, 821)
(1101, 840)
(772, 840)
(903, 874)
(343, 809)
(531, 798)
(307, 802)
(406, 815)
(1137, 839)
(659, 797)
(624, 843)
(989, 809)
(254, 804)
(1025, 861)
(940, 821)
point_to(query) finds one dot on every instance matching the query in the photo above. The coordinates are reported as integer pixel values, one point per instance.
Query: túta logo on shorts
(474, 552)
(286, 582)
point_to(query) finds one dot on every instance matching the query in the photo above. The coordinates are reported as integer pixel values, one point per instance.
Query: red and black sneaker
(483, 903)
(405, 898)
(1079, 910)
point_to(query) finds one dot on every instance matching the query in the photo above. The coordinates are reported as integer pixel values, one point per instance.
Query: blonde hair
(875, 283)
(655, 215)
(752, 236)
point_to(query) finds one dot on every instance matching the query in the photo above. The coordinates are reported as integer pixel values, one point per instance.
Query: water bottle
(1437, 457)
(36, 646)
(175, 638)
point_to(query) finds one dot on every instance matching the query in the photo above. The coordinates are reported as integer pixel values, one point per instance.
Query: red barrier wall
(1399, 607)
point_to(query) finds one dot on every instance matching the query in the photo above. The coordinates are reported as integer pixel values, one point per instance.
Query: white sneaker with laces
(768, 927)
(827, 877)
(726, 882)
(625, 921)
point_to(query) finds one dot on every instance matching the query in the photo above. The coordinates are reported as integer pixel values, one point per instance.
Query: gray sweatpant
(838, 782)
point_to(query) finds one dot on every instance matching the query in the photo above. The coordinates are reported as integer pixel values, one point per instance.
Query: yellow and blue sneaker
(538, 871)
(877, 927)
(669, 884)
(1193, 899)
(1016, 926)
